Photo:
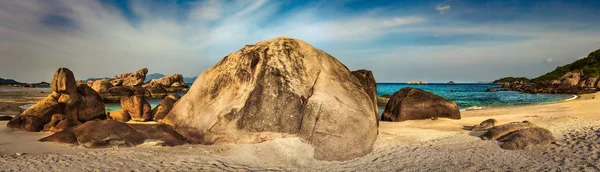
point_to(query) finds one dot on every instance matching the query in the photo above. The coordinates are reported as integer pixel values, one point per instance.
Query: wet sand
(423, 145)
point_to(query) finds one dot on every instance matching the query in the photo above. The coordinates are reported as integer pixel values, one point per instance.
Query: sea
(471, 96)
(468, 96)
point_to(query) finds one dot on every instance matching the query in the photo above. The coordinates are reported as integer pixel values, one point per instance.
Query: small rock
(559, 143)
(19, 153)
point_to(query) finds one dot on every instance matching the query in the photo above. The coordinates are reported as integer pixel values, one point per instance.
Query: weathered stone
(91, 106)
(107, 133)
(527, 139)
(110, 133)
(165, 106)
(485, 125)
(367, 80)
(119, 115)
(137, 107)
(501, 130)
(162, 133)
(412, 103)
(157, 91)
(382, 101)
(282, 86)
(64, 82)
(41, 111)
(102, 86)
(120, 91)
(134, 79)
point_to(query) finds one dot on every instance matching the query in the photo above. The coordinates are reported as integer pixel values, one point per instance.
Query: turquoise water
(475, 96)
(467, 96)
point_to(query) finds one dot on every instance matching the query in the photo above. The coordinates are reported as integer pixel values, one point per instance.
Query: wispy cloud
(442, 8)
(95, 39)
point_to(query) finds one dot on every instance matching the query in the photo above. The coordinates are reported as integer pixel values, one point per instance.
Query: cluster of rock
(575, 82)
(76, 102)
(516, 135)
(132, 84)
(412, 103)
(277, 88)
(137, 108)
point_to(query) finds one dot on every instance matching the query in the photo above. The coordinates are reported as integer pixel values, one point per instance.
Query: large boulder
(119, 115)
(34, 118)
(279, 87)
(137, 107)
(59, 123)
(91, 105)
(167, 81)
(485, 125)
(498, 131)
(527, 139)
(109, 133)
(131, 79)
(101, 86)
(165, 106)
(64, 82)
(412, 103)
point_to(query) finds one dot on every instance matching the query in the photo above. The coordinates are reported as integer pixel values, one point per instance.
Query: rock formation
(77, 102)
(499, 131)
(137, 107)
(165, 106)
(412, 103)
(383, 100)
(519, 136)
(485, 125)
(131, 79)
(367, 80)
(119, 115)
(279, 87)
(527, 139)
(127, 84)
(579, 77)
(109, 133)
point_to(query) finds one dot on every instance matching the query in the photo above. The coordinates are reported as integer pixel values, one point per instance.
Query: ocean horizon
(468, 96)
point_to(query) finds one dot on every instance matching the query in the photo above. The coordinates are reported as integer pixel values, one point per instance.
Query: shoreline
(408, 145)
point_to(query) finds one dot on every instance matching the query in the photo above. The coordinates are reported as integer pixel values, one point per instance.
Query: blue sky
(435, 41)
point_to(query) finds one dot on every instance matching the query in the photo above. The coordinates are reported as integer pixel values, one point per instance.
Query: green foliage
(512, 79)
(591, 71)
(590, 66)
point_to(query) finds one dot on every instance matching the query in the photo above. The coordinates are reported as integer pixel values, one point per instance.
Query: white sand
(423, 145)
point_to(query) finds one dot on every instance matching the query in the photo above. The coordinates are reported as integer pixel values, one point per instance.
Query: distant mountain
(8, 81)
(189, 79)
(153, 76)
(93, 79)
(159, 75)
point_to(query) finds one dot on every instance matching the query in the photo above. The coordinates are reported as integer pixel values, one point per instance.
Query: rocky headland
(579, 77)
(132, 84)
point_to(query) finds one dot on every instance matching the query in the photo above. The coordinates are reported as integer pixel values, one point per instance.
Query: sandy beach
(421, 145)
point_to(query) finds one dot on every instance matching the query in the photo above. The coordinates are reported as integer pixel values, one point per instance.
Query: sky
(434, 41)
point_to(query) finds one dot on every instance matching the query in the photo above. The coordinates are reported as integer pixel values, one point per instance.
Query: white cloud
(442, 9)
(548, 60)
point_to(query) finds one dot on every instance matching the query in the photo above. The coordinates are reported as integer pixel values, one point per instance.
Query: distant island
(415, 82)
(578, 77)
